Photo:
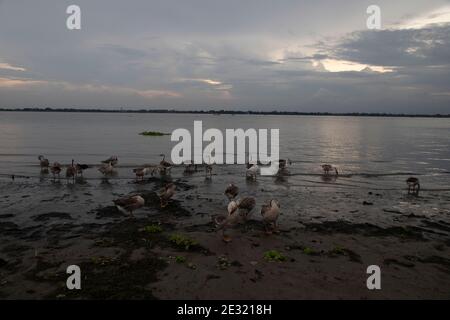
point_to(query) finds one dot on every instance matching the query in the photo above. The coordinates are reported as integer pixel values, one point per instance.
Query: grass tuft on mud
(153, 228)
(274, 256)
(182, 241)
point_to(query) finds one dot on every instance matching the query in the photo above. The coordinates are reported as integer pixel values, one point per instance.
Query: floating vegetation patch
(153, 134)
(274, 255)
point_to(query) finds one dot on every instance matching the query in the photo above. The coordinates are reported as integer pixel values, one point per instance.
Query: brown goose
(164, 165)
(270, 213)
(189, 167)
(231, 191)
(140, 173)
(55, 169)
(208, 171)
(43, 162)
(413, 185)
(282, 163)
(80, 168)
(246, 206)
(71, 171)
(327, 168)
(129, 204)
(167, 194)
(106, 168)
(232, 218)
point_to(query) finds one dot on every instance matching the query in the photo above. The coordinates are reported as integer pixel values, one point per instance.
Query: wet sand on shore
(324, 257)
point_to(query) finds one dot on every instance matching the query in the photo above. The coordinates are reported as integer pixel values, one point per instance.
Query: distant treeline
(218, 112)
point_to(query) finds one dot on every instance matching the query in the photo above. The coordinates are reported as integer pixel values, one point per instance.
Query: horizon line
(223, 111)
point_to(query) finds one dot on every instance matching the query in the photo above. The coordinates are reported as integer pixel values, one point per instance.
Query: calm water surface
(374, 155)
(356, 145)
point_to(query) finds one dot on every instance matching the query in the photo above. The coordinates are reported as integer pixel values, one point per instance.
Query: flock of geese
(238, 210)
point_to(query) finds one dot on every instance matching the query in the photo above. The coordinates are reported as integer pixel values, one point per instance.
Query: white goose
(252, 171)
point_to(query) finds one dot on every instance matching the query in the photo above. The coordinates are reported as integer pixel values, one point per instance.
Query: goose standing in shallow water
(80, 168)
(106, 168)
(282, 163)
(282, 166)
(231, 191)
(167, 194)
(252, 171)
(44, 163)
(71, 171)
(208, 171)
(327, 168)
(413, 185)
(129, 204)
(140, 173)
(164, 165)
(55, 169)
(270, 213)
(190, 167)
(113, 160)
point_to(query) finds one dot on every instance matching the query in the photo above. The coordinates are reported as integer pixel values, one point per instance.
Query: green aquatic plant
(153, 228)
(182, 241)
(153, 134)
(274, 255)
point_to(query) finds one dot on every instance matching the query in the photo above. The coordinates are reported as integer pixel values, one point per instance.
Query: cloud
(18, 83)
(292, 55)
(7, 66)
(395, 47)
(437, 16)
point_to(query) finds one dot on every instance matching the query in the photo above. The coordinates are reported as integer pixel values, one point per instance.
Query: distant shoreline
(232, 112)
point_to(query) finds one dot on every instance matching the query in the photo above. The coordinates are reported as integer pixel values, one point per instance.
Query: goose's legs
(275, 227)
(225, 237)
(266, 225)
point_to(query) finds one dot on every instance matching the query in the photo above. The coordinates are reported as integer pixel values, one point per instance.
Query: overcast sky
(236, 54)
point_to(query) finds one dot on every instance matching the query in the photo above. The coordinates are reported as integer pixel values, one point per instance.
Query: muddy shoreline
(323, 258)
